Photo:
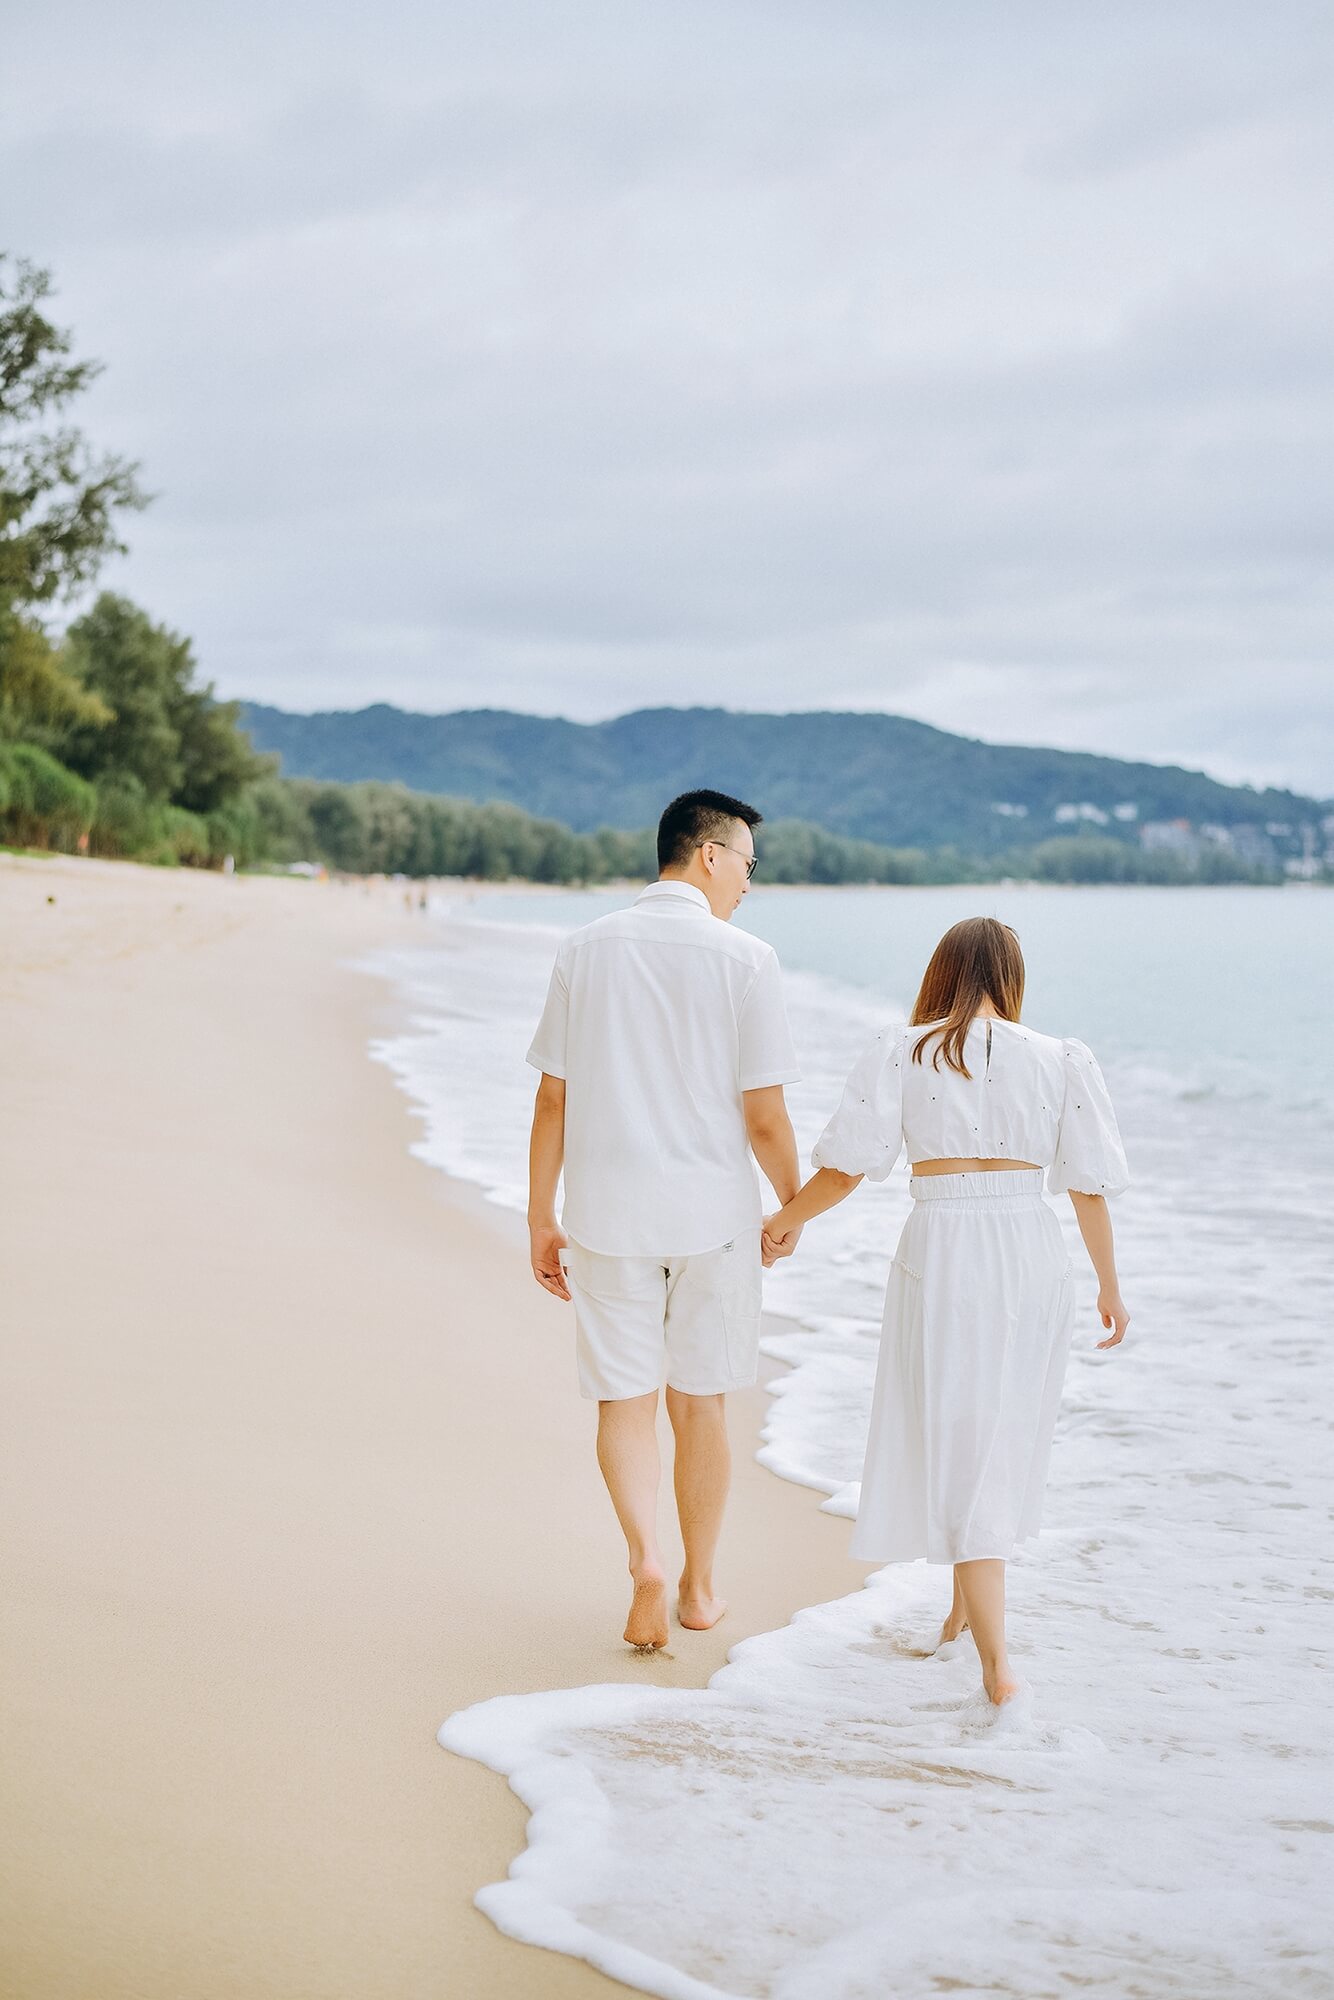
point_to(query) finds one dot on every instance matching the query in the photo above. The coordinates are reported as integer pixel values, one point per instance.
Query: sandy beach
(294, 1467)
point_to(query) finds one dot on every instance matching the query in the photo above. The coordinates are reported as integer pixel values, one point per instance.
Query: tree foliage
(110, 744)
(59, 499)
(169, 732)
(41, 803)
(39, 696)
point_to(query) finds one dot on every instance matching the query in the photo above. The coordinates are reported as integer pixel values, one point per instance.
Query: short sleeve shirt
(658, 1018)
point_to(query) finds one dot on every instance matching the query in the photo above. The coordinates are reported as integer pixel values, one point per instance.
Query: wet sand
(293, 1466)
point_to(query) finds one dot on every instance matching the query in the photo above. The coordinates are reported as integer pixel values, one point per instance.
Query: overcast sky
(967, 361)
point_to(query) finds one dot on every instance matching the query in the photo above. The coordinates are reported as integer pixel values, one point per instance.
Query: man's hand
(546, 1241)
(776, 1241)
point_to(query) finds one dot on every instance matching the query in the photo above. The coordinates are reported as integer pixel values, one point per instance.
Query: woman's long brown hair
(976, 960)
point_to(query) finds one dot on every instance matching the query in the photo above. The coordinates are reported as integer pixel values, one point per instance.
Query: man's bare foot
(953, 1628)
(1001, 1687)
(646, 1627)
(699, 1610)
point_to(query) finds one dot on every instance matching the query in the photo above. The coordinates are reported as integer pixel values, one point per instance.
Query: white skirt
(977, 1326)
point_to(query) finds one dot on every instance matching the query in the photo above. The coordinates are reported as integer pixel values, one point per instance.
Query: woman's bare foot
(1001, 1686)
(957, 1622)
(699, 1610)
(646, 1627)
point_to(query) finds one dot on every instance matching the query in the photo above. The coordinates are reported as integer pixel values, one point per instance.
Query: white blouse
(1029, 1097)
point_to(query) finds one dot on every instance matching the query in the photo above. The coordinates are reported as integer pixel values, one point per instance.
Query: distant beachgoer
(980, 1304)
(664, 1049)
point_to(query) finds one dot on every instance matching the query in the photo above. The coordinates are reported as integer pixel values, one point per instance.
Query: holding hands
(782, 1229)
(778, 1238)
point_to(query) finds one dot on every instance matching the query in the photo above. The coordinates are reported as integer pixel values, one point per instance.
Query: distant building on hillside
(1309, 863)
(1069, 814)
(1127, 810)
(1008, 810)
(1249, 844)
(1170, 836)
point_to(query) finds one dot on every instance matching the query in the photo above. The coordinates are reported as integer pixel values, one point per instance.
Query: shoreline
(630, 885)
(263, 1366)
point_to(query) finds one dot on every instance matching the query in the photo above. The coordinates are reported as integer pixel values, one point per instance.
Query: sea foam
(842, 1814)
(839, 1814)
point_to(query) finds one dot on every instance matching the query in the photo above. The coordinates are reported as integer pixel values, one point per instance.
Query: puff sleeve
(865, 1134)
(1090, 1158)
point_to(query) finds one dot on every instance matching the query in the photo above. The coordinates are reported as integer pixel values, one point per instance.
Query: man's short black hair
(696, 817)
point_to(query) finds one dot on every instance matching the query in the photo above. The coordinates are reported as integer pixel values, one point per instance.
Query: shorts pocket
(741, 1321)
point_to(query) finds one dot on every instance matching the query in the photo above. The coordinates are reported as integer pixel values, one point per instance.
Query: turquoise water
(1225, 989)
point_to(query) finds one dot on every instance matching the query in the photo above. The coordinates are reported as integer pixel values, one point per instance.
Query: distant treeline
(375, 828)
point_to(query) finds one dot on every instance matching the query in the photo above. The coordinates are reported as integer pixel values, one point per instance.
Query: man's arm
(546, 1152)
(773, 1142)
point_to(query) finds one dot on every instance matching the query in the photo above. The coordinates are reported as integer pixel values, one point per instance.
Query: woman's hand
(1112, 1312)
(778, 1239)
(823, 1190)
(1095, 1226)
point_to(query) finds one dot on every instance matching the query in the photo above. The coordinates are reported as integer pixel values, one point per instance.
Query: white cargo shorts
(691, 1321)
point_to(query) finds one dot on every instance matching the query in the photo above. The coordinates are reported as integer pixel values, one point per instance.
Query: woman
(980, 1300)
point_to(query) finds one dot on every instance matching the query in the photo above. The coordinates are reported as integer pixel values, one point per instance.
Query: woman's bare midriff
(976, 1167)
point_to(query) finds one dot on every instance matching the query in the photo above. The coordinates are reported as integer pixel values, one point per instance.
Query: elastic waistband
(1000, 1188)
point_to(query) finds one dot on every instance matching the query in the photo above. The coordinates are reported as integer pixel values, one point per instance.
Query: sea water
(839, 1814)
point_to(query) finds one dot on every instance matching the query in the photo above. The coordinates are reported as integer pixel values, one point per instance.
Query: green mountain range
(882, 778)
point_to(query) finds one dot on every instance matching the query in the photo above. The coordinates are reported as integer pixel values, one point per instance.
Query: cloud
(588, 360)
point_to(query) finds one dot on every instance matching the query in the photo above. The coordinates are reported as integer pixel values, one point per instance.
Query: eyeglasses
(752, 861)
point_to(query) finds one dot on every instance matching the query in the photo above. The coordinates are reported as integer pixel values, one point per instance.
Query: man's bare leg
(628, 1455)
(702, 1475)
(982, 1585)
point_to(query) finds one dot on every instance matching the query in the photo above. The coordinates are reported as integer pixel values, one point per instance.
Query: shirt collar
(686, 890)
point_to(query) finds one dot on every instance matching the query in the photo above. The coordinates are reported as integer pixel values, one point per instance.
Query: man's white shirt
(658, 1018)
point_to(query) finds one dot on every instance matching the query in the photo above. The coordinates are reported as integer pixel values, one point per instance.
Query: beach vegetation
(41, 803)
(164, 727)
(1087, 857)
(109, 741)
(39, 695)
(131, 825)
(59, 499)
(153, 767)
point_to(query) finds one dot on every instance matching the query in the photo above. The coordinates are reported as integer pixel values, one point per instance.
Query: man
(664, 1049)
